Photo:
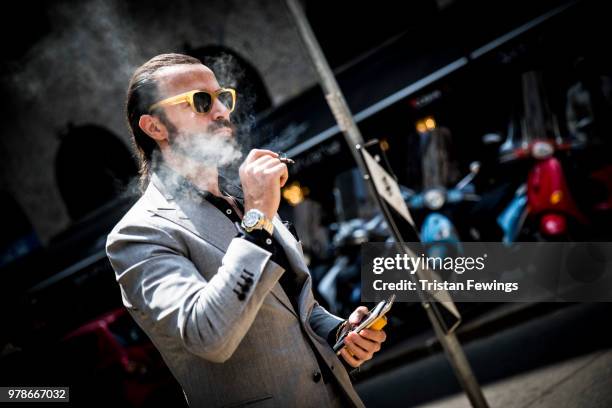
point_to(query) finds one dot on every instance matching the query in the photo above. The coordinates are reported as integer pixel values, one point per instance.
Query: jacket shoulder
(142, 213)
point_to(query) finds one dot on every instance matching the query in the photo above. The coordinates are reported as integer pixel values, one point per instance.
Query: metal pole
(347, 125)
(332, 91)
(450, 344)
(458, 361)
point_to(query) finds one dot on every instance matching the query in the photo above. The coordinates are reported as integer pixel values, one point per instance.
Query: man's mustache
(220, 124)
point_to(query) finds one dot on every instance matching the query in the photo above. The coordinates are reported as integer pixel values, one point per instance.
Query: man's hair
(142, 93)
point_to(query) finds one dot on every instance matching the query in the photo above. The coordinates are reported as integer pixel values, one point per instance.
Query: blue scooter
(513, 216)
(438, 233)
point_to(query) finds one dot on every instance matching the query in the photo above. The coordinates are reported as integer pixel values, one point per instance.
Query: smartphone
(378, 312)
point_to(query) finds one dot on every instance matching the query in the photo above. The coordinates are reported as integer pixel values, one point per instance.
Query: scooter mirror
(491, 138)
(474, 167)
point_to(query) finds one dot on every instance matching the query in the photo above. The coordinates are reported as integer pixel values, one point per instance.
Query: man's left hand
(360, 347)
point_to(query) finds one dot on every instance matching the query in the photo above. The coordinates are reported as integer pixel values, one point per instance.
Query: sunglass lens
(202, 102)
(227, 99)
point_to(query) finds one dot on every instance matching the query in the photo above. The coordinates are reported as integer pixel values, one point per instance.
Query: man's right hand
(262, 175)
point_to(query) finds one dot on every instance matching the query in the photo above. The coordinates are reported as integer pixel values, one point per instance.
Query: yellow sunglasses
(201, 101)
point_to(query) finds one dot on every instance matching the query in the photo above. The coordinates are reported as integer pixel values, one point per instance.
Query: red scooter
(551, 211)
(550, 205)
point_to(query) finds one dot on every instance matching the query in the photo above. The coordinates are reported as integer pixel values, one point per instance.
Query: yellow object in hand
(379, 323)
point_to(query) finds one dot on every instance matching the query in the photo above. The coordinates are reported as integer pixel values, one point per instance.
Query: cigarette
(284, 159)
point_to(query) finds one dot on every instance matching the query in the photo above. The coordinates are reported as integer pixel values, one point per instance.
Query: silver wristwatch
(254, 220)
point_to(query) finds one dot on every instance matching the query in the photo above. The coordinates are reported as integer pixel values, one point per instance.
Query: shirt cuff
(259, 237)
(332, 335)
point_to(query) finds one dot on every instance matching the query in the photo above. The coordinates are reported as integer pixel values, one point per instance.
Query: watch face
(250, 219)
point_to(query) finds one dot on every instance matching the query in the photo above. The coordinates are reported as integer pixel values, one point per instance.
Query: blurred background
(494, 116)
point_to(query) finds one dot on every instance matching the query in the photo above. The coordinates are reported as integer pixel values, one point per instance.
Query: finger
(254, 154)
(274, 162)
(357, 352)
(375, 335)
(358, 315)
(368, 346)
(352, 361)
(280, 171)
(262, 163)
(284, 176)
(276, 166)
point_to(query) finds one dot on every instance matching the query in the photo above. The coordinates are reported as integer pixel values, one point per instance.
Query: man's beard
(209, 147)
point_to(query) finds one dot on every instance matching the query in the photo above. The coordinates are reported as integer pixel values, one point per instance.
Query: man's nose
(220, 111)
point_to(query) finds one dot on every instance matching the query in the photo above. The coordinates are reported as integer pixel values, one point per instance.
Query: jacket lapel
(296, 260)
(290, 245)
(196, 215)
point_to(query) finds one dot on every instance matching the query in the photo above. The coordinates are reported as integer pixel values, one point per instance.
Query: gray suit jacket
(183, 277)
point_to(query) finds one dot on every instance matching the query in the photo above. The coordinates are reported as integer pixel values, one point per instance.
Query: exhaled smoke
(210, 149)
(72, 65)
(71, 62)
(194, 157)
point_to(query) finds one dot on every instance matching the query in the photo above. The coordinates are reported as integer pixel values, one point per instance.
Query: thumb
(283, 180)
(358, 315)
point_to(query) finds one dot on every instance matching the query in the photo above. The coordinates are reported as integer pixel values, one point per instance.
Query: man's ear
(153, 127)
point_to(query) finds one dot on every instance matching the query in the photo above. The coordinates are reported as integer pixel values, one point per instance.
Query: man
(218, 282)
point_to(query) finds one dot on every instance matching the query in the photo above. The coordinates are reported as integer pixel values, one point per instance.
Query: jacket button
(316, 376)
(241, 295)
